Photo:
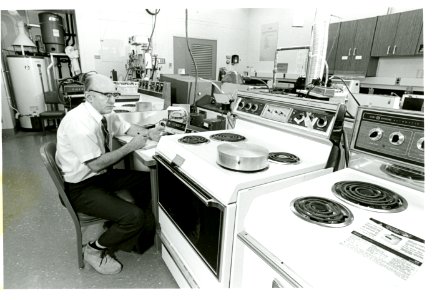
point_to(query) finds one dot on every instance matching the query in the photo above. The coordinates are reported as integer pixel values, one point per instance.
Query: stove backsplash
(390, 144)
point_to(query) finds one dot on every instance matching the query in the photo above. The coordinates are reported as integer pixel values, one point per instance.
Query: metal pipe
(275, 63)
(48, 71)
(68, 32)
(73, 33)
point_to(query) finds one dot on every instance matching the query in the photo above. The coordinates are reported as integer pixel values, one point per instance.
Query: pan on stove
(242, 156)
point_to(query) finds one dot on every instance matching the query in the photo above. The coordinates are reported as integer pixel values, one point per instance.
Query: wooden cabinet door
(363, 45)
(385, 33)
(334, 30)
(408, 32)
(345, 46)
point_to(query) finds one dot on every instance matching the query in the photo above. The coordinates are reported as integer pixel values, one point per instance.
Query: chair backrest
(51, 98)
(48, 151)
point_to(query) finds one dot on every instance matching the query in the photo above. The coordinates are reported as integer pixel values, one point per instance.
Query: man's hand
(156, 133)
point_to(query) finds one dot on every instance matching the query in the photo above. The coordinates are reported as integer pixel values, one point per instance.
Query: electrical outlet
(398, 81)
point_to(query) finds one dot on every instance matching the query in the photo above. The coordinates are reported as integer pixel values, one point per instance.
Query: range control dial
(396, 138)
(375, 134)
(248, 106)
(300, 117)
(421, 144)
(321, 122)
(241, 104)
(254, 107)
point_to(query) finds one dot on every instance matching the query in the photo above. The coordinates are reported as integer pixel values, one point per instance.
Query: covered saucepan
(242, 156)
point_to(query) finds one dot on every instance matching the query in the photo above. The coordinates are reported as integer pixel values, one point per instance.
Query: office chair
(51, 99)
(80, 220)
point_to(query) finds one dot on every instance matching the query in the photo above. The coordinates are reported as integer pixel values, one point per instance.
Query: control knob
(396, 138)
(375, 134)
(321, 122)
(421, 144)
(300, 117)
(254, 107)
(241, 104)
(248, 106)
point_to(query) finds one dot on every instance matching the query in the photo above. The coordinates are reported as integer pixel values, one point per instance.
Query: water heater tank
(52, 31)
(29, 80)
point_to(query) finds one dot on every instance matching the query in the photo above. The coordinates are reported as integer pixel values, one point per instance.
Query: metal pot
(242, 156)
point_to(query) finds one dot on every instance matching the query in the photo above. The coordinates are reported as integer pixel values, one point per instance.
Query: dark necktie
(105, 134)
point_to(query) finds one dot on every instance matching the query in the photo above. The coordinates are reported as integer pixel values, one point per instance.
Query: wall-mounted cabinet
(334, 30)
(398, 34)
(354, 47)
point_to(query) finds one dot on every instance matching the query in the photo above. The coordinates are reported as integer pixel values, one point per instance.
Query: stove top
(199, 161)
(373, 243)
(369, 196)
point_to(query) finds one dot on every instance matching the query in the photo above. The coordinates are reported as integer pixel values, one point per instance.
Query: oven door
(196, 214)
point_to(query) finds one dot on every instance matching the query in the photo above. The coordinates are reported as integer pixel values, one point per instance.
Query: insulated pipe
(326, 66)
(52, 62)
(68, 32)
(276, 61)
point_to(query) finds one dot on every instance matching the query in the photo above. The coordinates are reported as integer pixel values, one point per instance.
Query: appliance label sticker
(55, 32)
(396, 250)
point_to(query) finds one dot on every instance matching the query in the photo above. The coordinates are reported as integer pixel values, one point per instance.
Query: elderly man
(84, 157)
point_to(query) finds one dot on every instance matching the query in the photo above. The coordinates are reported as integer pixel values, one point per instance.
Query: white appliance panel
(200, 160)
(27, 86)
(318, 254)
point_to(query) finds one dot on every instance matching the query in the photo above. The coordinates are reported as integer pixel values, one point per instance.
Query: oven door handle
(206, 199)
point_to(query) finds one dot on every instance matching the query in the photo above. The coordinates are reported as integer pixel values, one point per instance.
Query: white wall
(112, 28)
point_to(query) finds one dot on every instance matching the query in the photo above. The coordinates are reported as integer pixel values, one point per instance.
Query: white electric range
(202, 204)
(361, 226)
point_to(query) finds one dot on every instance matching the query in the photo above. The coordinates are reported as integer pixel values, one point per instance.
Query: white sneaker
(101, 261)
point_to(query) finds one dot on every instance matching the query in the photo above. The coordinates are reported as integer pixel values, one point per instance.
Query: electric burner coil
(321, 211)
(193, 140)
(369, 196)
(228, 137)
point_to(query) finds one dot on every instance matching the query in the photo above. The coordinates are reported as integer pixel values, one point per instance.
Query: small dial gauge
(322, 122)
(375, 134)
(396, 138)
(254, 107)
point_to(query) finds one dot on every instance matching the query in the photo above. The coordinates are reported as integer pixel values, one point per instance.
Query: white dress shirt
(80, 139)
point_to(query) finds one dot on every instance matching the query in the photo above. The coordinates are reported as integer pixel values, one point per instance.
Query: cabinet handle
(349, 51)
(388, 49)
(355, 49)
(394, 49)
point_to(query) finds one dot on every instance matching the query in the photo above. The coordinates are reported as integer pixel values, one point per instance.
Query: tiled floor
(38, 234)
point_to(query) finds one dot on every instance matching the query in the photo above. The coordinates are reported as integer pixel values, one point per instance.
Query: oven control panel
(396, 135)
(293, 114)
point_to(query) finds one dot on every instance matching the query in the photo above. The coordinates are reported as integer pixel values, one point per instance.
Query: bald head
(99, 83)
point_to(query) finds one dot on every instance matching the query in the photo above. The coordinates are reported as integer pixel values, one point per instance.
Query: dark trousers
(132, 225)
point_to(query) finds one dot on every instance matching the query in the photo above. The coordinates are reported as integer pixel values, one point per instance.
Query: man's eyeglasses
(108, 95)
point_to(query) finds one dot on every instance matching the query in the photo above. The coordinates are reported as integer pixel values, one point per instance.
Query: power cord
(346, 147)
(336, 77)
(192, 57)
